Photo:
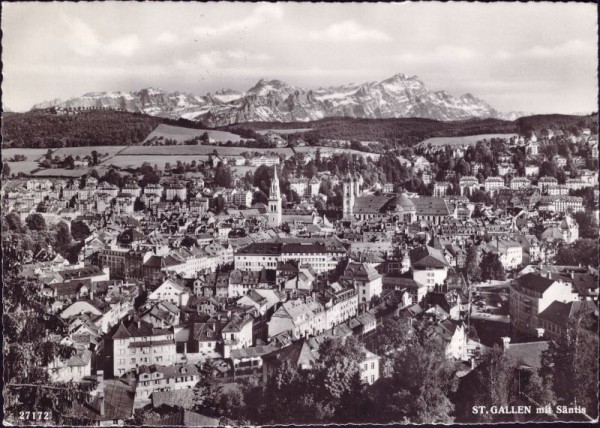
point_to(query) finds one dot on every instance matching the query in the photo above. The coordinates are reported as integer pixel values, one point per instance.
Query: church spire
(275, 210)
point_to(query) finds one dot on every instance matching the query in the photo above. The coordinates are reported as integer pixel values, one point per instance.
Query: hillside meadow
(180, 134)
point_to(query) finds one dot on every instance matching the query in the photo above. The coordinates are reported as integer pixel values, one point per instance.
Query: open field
(62, 172)
(183, 134)
(136, 161)
(32, 154)
(85, 151)
(328, 151)
(284, 131)
(459, 141)
(196, 150)
(25, 167)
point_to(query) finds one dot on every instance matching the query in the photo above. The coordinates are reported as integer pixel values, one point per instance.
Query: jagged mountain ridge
(275, 101)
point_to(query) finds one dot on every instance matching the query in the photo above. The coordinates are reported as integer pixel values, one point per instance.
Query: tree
(548, 169)
(392, 336)
(12, 222)
(35, 222)
(219, 204)
(479, 196)
(262, 178)
(113, 177)
(61, 237)
(205, 138)
(491, 267)
(139, 205)
(588, 227)
(420, 386)
(223, 176)
(5, 170)
(583, 251)
(337, 375)
(472, 269)
(79, 230)
(188, 241)
(28, 347)
(69, 162)
(492, 384)
(571, 365)
(260, 197)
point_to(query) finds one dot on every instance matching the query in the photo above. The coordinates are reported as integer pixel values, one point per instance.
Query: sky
(532, 57)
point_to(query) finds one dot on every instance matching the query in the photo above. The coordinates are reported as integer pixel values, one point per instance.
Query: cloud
(86, 42)
(259, 15)
(124, 46)
(570, 48)
(167, 38)
(224, 59)
(349, 31)
(441, 54)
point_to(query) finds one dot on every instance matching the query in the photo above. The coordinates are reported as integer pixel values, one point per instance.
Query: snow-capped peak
(401, 95)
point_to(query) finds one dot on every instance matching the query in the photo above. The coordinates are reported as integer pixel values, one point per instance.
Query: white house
(369, 368)
(171, 291)
(430, 267)
(237, 334)
(72, 370)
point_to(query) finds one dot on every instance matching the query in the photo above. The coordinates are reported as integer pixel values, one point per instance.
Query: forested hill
(556, 121)
(406, 131)
(40, 128)
(409, 131)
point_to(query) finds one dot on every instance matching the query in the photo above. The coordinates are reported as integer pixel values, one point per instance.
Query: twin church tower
(351, 189)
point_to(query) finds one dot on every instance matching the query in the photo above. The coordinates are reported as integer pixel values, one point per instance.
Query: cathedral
(351, 190)
(355, 206)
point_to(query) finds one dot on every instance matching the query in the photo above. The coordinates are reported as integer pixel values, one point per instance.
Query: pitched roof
(138, 329)
(298, 353)
(427, 257)
(398, 281)
(254, 351)
(186, 418)
(361, 270)
(426, 205)
(372, 204)
(170, 371)
(118, 403)
(535, 282)
(560, 312)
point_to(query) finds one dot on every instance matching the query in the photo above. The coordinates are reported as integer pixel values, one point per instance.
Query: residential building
(139, 343)
(429, 265)
(171, 291)
(531, 294)
(158, 378)
(369, 368)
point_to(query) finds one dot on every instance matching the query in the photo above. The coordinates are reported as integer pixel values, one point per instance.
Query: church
(274, 210)
(362, 207)
(357, 206)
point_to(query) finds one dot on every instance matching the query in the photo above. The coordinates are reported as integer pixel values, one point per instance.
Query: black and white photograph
(295, 213)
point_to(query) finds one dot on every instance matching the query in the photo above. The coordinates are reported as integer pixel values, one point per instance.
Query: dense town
(317, 288)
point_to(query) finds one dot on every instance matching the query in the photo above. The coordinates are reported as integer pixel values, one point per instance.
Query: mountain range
(400, 96)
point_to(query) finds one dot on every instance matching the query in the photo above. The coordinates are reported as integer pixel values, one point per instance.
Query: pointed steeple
(274, 192)
(275, 209)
